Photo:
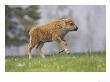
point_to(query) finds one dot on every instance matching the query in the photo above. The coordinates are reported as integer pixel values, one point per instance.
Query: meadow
(77, 62)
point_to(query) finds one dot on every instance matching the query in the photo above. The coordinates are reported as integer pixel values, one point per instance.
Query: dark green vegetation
(78, 62)
(18, 21)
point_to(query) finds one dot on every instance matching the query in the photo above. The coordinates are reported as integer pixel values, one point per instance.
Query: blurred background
(90, 37)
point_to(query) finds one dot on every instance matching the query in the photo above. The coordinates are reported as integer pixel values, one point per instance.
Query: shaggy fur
(52, 31)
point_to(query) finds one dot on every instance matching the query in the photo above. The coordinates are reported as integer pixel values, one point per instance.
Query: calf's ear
(65, 20)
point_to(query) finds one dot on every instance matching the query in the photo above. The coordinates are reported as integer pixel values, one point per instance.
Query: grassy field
(77, 62)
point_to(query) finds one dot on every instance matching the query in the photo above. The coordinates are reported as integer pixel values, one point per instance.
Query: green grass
(78, 62)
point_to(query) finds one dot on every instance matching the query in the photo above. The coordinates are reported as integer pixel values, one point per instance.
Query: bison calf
(52, 31)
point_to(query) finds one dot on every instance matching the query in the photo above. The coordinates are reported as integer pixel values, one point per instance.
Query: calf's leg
(39, 48)
(30, 46)
(62, 43)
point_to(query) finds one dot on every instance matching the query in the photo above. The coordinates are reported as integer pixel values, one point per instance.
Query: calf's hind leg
(30, 46)
(39, 48)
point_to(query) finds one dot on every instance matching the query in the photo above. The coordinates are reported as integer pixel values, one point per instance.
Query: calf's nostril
(76, 28)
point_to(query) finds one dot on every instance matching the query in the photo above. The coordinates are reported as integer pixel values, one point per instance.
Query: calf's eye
(71, 23)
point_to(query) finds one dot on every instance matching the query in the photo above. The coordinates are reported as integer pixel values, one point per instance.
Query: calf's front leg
(63, 44)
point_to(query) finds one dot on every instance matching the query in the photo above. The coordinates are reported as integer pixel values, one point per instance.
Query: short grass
(77, 62)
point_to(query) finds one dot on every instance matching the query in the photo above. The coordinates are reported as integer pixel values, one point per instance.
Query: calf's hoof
(67, 52)
(30, 57)
(42, 56)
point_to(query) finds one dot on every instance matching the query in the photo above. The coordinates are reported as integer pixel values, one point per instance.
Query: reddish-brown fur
(52, 31)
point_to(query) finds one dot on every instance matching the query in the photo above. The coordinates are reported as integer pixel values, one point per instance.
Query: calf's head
(70, 25)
